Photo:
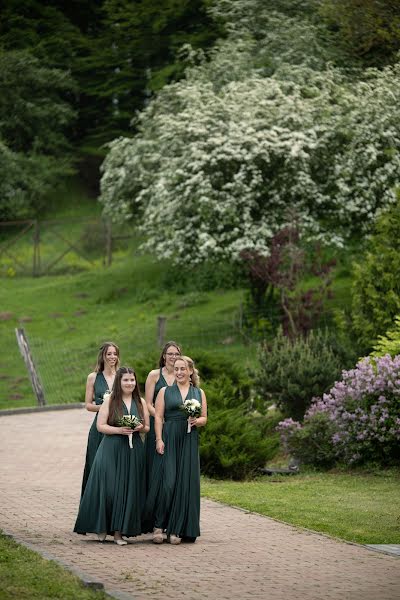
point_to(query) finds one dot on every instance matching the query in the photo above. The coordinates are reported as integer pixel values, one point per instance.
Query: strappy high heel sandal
(118, 539)
(174, 539)
(120, 542)
(158, 537)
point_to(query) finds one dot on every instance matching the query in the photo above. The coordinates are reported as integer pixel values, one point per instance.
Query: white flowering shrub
(221, 156)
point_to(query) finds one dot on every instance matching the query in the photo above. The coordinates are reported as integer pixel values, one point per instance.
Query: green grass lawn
(357, 507)
(67, 317)
(25, 574)
(68, 313)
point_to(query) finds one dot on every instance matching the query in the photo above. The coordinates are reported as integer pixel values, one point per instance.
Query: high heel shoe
(174, 539)
(120, 542)
(101, 536)
(158, 537)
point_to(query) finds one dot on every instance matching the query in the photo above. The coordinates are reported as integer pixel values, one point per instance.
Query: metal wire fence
(63, 365)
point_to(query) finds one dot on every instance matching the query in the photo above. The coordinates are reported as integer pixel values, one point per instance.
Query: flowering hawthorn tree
(220, 156)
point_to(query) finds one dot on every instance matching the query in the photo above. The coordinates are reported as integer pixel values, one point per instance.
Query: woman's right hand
(125, 430)
(160, 446)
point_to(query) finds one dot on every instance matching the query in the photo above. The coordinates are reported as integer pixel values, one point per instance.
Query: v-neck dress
(114, 496)
(173, 500)
(94, 437)
(151, 436)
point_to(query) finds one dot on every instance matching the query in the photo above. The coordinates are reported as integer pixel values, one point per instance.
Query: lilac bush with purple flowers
(358, 421)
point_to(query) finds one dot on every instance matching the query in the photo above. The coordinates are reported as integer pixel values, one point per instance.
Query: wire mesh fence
(63, 366)
(63, 363)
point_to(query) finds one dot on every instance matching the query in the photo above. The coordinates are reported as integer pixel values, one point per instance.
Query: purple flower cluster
(363, 411)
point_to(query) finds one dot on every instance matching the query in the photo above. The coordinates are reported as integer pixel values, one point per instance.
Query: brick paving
(239, 555)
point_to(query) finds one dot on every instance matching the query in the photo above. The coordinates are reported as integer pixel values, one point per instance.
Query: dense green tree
(34, 114)
(118, 51)
(135, 54)
(376, 284)
(369, 28)
(34, 122)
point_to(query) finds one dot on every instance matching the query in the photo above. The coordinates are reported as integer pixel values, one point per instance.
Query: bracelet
(159, 440)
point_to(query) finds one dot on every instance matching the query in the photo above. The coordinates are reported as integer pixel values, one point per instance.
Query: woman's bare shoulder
(153, 374)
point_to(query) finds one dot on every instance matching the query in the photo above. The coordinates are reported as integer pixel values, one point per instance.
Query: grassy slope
(69, 316)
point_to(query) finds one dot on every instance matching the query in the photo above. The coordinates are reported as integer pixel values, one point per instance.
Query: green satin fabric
(114, 496)
(173, 501)
(94, 437)
(151, 436)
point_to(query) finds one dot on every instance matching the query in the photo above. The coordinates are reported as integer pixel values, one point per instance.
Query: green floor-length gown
(173, 501)
(151, 436)
(95, 437)
(115, 491)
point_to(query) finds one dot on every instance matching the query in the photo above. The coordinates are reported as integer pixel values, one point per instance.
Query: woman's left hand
(138, 428)
(193, 421)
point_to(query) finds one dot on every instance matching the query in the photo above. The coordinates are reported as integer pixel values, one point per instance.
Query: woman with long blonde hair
(173, 502)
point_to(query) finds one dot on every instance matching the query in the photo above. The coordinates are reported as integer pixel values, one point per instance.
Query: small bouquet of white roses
(129, 421)
(106, 395)
(192, 408)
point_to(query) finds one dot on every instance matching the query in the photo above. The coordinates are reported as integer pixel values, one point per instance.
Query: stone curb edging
(33, 409)
(86, 580)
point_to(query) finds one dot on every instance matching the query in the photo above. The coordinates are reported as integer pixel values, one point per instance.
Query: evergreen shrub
(235, 444)
(293, 372)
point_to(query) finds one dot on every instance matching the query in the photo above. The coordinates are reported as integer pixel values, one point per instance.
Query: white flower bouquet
(129, 421)
(192, 408)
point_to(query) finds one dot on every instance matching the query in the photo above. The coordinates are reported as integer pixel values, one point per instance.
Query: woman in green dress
(158, 378)
(114, 496)
(98, 383)
(173, 501)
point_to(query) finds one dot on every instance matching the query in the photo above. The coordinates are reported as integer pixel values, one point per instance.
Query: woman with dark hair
(98, 383)
(157, 379)
(114, 496)
(173, 501)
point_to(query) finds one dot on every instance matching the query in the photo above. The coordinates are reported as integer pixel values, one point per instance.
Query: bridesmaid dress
(151, 436)
(173, 501)
(115, 491)
(95, 437)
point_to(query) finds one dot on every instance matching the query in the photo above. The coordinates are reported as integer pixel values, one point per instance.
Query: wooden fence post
(36, 249)
(27, 356)
(161, 322)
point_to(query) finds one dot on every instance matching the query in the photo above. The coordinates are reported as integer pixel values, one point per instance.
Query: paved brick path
(239, 555)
